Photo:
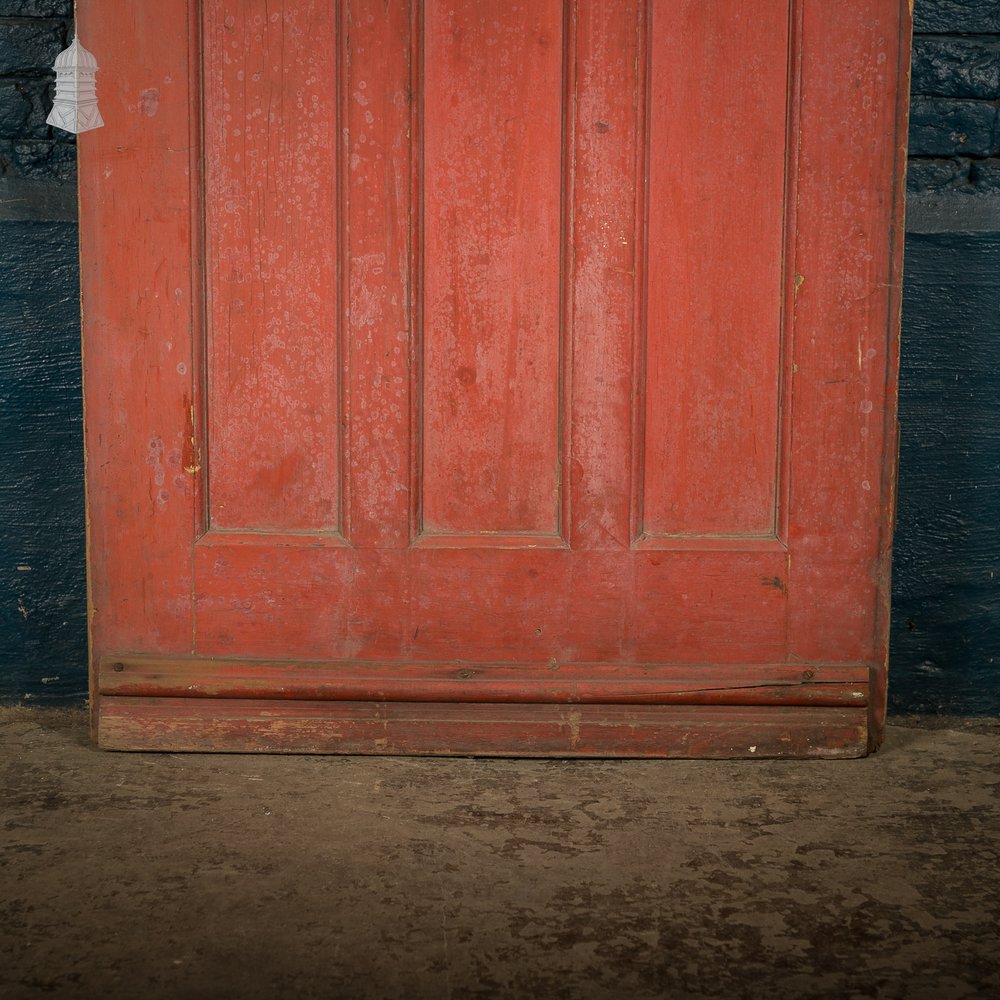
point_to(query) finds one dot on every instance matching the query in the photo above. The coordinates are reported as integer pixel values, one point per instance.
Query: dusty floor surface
(155, 876)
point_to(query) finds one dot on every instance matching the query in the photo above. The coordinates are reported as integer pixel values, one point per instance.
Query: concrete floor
(163, 876)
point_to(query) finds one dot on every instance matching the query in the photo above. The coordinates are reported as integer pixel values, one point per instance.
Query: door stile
(140, 307)
(606, 245)
(846, 341)
(378, 374)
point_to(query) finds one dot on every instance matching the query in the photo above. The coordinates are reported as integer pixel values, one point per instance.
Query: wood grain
(490, 730)
(659, 684)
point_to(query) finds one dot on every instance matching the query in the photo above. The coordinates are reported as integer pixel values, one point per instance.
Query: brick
(15, 108)
(937, 175)
(24, 106)
(978, 179)
(941, 126)
(60, 136)
(40, 159)
(957, 16)
(28, 48)
(985, 176)
(36, 8)
(946, 604)
(956, 67)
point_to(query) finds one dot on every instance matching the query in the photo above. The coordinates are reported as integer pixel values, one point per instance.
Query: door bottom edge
(481, 729)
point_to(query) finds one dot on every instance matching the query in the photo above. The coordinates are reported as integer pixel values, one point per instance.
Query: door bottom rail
(458, 709)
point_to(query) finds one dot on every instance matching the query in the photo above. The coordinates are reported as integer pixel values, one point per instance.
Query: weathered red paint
(603, 684)
(450, 365)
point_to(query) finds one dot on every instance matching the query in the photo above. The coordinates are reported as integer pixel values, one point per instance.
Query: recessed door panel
(271, 227)
(493, 131)
(718, 168)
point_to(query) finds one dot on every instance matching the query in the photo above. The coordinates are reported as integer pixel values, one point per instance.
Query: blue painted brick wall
(945, 651)
(43, 614)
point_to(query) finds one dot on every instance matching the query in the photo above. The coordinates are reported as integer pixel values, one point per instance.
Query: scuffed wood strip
(486, 730)
(428, 682)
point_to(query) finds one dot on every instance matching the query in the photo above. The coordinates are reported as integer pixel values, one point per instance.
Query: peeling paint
(149, 102)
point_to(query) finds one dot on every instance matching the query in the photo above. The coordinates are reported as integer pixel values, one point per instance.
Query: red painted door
(474, 376)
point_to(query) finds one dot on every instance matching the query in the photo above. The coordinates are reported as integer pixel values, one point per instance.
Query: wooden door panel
(444, 352)
(494, 134)
(271, 228)
(719, 171)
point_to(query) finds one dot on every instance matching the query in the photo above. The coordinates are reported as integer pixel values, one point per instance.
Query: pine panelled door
(502, 377)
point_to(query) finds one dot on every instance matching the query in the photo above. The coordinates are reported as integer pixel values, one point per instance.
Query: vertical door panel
(492, 189)
(271, 225)
(379, 87)
(717, 154)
